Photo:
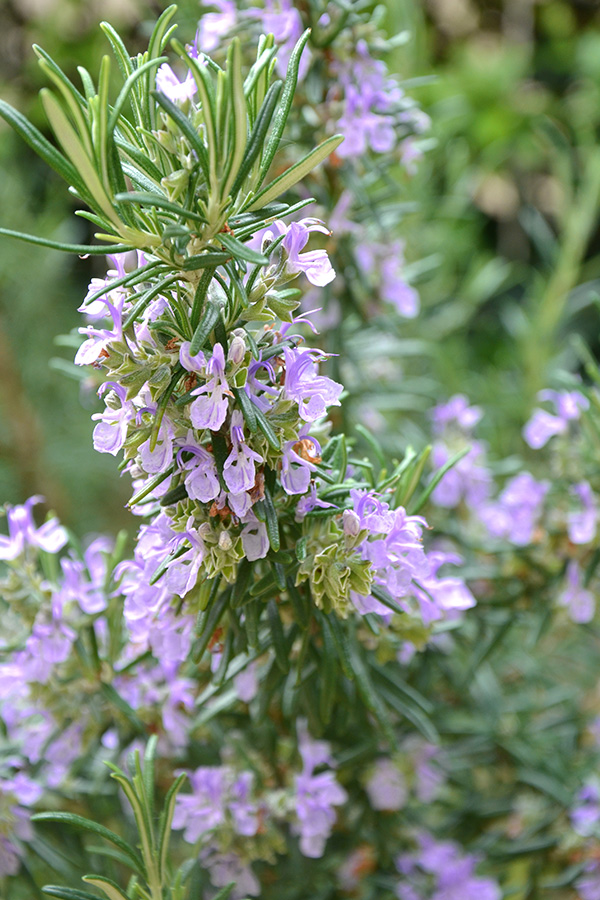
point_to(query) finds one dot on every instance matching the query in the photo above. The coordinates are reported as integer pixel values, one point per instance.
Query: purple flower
(312, 392)
(169, 84)
(580, 602)
(543, 425)
(581, 525)
(51, 536)
(111, 431)
(203, 809)
(314, 263)
(297, 463)
(588, 885)
(214, 26)
(514, 515)
(468, 481)
(201, 479)
(386, 787)
(158, 459)
(385, 263)
(456, 411)
(283, 21)
(442, 596)
(585, 816)
(239, 472)
(255, 539)
(440, 871)
(210, 409)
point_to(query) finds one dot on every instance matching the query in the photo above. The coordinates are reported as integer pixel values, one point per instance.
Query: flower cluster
(438, 870)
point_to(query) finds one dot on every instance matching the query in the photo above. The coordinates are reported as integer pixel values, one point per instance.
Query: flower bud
(225, 542)
(351, 523)
(237, 350)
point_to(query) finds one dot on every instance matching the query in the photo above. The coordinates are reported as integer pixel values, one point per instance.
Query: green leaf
(187, 129)
(296, 172)
(81, 249)
(202, 260)
(127, 88)
(424, 497)
(328, 671)
(119, 49)
(271, 520)
(149, 773)
(280, 646)
(67, 893)
(267, 429)
(238, 119)
(258, 135)
(166, 821)
(283, 110)
(36, 140)
(108, 887)
(113, 697)
(241, 251)
(248, 409)
(83, 824)
(208, 622)
(141, 198)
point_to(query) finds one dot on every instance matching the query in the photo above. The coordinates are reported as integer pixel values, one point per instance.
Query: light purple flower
(585, 815)
(386, 787)
(312, 392)
(514, 515)
(50, 536)
(111, 431)
(209, 410)
(239, 471)
(201, 479)
(543, 425)
(314, 263)
(588, 885)
(455, 412)
(296, 468)
(283, 21)
(255, 539)
(581, 524)
(169, 84)
(580, 602)
(214, 26)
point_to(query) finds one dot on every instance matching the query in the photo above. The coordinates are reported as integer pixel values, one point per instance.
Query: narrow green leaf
(141, 198)
(248, 409)
(166, 821)
(209, 622)
(119, 49)
(241, 251)
(283, 110)
(127, 88)
(296, 172)
(36, 140)
(108, 887)
(258, 135)
(162, 405)
(205, 326)
(202, 260)
(81, 249)
(239, 117)
(149, 772)
(272, 521)
(280, 646)
(187, 129)
(267, 429)
(424, 497)
(83, 824)
(115, 698)
(67, 893)
(328, 672)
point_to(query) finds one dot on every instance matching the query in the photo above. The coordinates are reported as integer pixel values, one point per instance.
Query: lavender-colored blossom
(281, 19)
(456, 412)
(386, 787)
(246, 683)
(160, 457)
(543, 425)
(209, 410)
(440, 871)
(312, 392)
(314, 263)
(585, 815)
(297, 463)
(514, 515)
(201, 478)
(239, 471)
(22, 533)
(255, 539)
(588, 885)
(228, 868)
(111, 431)
(309, 502)
(316, 794)
(169, 84)
(214, 26)
(581, 524)
(469, 481)
(203, 809)
(442, 597)
(579, 601)
(385, 264)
